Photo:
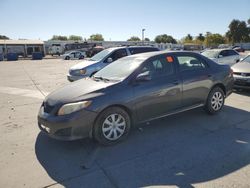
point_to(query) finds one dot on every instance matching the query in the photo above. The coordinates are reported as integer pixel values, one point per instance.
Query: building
(23, 48)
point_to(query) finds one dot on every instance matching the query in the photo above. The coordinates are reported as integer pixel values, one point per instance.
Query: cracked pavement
(191, 149)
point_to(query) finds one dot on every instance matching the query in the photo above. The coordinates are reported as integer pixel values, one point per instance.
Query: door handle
(209, 75)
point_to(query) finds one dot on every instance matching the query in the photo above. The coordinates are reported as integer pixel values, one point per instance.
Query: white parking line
(23, 92)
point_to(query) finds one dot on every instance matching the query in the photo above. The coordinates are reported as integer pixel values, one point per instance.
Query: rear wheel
(112, 126)
(67, 57)
(215, 100)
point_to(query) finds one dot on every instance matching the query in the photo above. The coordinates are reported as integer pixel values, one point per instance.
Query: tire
(112, 126)
(67, 58)
(215, 101)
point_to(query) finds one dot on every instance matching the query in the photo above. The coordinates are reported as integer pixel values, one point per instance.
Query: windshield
(99, 56)
(120, 69)
(210, 53)
(246, 59)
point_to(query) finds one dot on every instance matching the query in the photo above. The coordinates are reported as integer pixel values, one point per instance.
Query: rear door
(161, 94)
(196, 79)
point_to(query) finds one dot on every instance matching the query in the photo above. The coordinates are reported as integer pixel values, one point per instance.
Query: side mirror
(145, 76)
(109, 60)
(220, 56)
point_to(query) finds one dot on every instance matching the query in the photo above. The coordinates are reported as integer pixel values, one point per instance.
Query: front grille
(242, 74)
(47, 108)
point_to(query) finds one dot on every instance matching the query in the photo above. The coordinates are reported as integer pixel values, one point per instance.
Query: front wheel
(67, 58)
(215, 101)
(112, 126)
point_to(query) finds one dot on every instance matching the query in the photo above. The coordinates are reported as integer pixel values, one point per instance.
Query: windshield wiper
(101, 78)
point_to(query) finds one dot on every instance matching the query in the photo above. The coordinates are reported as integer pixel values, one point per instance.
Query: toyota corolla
(133, 90)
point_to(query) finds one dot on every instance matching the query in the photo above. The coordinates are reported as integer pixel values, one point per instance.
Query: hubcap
(113, 126)
(217, 101)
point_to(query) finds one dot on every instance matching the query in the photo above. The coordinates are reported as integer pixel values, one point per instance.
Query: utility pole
(142, 38)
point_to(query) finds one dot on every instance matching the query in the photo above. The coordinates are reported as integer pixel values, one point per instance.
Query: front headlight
(78, 72)
(82, 71)
(73, 107)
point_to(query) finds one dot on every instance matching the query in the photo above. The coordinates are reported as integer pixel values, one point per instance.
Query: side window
(232, 52)
(135, 50)
(224, 53)
(118, 54)
(150, 49)
(190, 63)
(141, 50)
(159, 67)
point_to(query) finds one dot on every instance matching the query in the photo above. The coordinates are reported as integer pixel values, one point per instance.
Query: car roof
(124, 47)
(152, 54)
(218, 50)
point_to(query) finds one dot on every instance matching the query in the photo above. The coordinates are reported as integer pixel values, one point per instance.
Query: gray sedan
(132, 90)
(242, 73)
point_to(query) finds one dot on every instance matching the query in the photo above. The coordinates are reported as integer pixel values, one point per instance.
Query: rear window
(142, 50)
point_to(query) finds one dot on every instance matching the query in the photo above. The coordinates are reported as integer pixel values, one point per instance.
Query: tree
(238, 31)
(75, 37)
(200, 37)
(188, 39)
(134, 38)
(4, 37)
(164, 38)
(248, 21)
(59, 37)
(213, 40)
(96, 37)
(147, 39)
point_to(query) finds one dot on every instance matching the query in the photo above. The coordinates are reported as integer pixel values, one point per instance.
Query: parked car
(90, 66)
(92, 51)
(238, 49)
(222, 56)
(241, 72)
(73, 55)
(132, 90)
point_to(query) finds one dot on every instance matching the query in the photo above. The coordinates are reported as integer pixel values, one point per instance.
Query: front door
(162, 93)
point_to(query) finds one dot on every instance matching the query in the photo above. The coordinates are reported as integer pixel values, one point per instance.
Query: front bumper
(73, 126)
(72, 78)
(242, 82)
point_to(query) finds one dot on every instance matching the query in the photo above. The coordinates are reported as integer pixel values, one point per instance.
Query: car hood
(83, 64)
(78, 90)
(241, 67)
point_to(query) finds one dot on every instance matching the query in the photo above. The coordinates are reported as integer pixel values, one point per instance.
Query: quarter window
(189, 63)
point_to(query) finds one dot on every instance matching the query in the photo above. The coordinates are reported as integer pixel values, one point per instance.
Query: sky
(118, 20)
